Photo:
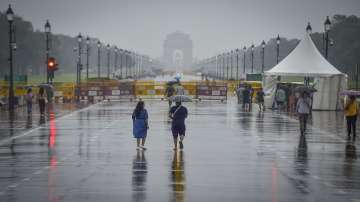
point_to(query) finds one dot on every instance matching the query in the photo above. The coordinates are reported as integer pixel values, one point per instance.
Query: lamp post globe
(87, 40)
(263, 44)
(308, 28)
(278, 39)
(10, 14)
(79, 38)
(327, 23)
(47, 27)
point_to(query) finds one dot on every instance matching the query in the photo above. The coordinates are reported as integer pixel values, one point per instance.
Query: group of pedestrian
(177, 114)
(42, 99)
(245, 94)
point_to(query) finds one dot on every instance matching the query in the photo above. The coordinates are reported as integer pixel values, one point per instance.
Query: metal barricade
(212, 91)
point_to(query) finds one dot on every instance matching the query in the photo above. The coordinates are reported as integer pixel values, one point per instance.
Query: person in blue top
(140, 124)
(178, 114)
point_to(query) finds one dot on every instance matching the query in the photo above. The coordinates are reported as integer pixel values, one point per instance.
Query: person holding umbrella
(351, 113)
(303, 109)
(178, 114)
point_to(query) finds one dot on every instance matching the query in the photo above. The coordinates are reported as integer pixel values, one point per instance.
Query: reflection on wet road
(230, 155)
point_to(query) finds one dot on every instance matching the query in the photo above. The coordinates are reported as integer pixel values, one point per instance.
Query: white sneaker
(142, 147)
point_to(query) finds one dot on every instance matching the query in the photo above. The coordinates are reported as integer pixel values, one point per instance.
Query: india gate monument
(178, 51)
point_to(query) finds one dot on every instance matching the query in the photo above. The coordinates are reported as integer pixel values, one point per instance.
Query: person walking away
(303, 108)
(140, 124)
(260, 99)
(246, 98)
(292, 102)
(29, 99)
(239, 91)
(351, 113)
(280, 98)
(170, 91)
(178, 114)
(251, 90)
(42, 101)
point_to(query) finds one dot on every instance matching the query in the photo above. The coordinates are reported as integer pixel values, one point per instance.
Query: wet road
(230, 155)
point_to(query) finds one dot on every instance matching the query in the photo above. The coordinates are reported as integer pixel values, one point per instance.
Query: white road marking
(7, 140)
(13, 186)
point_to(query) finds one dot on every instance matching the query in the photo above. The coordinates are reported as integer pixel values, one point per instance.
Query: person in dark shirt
(178, 114)
(246, 98)
(260, 99)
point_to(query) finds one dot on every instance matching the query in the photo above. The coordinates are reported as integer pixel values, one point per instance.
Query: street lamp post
(237, 63)
(327, 25)
(87, 56)
(116, 58)
(217, 66)
(121, 63)
(108, 60)
(47, 35)
(223, 66)
(227, 65)
(244, 70)
(126, 63)
(277, 49)
(10, 18)
(263, 56)
(232, 64)
(252, 58)
(98, 59)
(78, 69)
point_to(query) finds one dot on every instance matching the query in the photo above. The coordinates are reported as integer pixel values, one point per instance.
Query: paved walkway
(229, 155)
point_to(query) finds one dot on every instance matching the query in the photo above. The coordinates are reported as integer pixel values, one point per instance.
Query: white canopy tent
(306, 61)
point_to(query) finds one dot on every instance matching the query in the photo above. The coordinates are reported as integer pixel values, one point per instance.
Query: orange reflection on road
(52, 137)
(274, 182)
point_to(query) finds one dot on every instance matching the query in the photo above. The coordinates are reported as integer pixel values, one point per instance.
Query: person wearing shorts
(178, 114)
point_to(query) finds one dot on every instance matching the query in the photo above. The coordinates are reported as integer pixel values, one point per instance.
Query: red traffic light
(52, 64)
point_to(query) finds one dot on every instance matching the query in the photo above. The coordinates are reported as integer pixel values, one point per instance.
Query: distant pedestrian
(246, 98)
(292, 102)
(140, 124)
(280, 98)
(170, 91)
(42, 101)
(29, 100)
(178, 114)
(303, 109)
(351, 113)
(260, 99)
(239, 92)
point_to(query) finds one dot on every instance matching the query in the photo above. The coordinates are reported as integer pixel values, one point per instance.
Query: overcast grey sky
(214, 25)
